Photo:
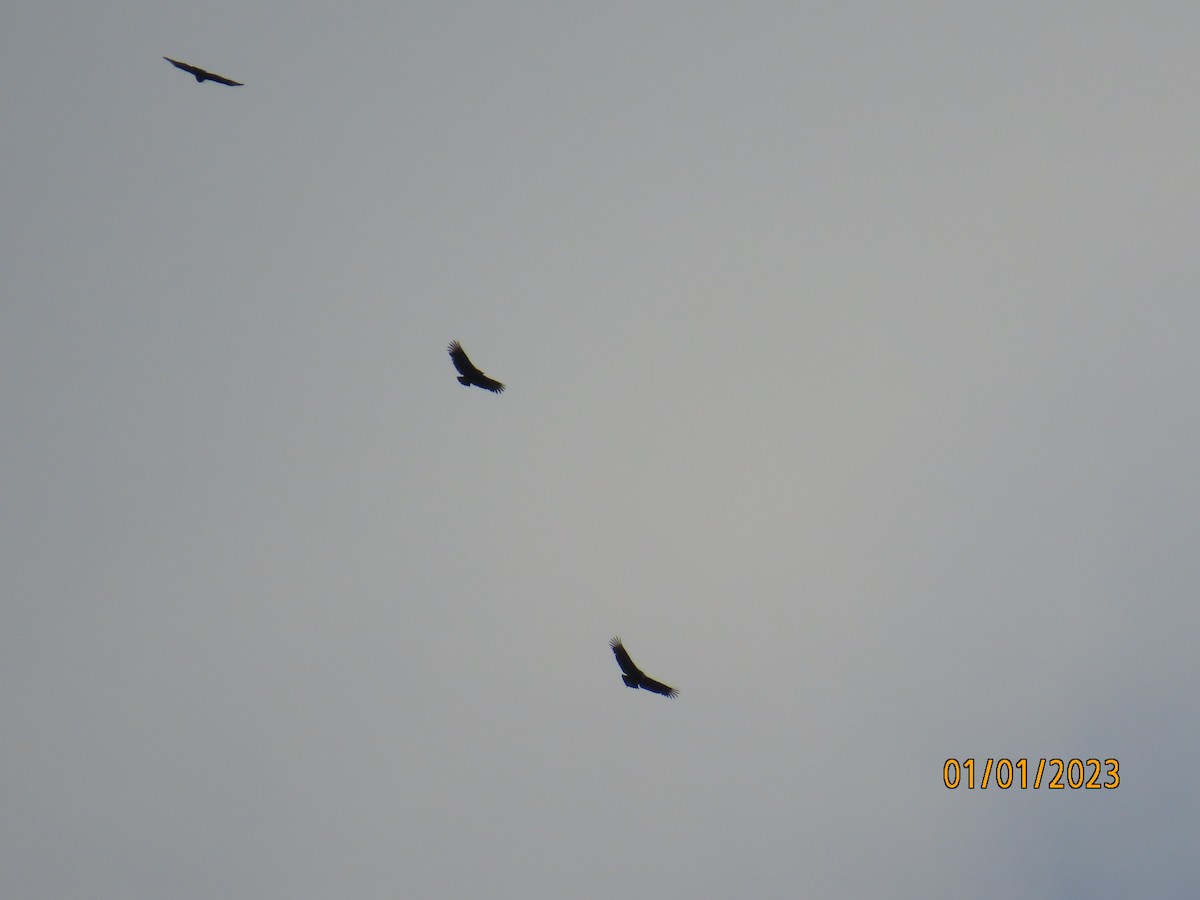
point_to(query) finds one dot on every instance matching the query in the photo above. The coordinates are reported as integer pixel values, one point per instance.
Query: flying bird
(201, 75)
(468, 374)
(635, 677)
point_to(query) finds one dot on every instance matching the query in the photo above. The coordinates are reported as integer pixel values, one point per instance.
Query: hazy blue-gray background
(851, 364)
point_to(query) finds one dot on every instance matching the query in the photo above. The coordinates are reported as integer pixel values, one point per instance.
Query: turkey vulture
(468, 374)
(635, 677)
(201, 75)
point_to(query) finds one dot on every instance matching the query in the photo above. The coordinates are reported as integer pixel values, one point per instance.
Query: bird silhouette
(202, 75)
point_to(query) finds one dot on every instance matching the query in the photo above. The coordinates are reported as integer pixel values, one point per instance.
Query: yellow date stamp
(1054, 774)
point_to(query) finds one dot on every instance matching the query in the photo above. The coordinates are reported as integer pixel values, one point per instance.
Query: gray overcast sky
(850, 353)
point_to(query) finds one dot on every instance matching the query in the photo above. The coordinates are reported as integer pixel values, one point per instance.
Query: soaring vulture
(468, 374)
(635, 677)
(201, 75)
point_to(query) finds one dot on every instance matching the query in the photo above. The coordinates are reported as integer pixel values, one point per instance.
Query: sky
(849, 352)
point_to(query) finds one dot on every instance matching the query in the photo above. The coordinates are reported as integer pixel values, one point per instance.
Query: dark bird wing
(490, 384)
(649, 684)
(624, 660)
(462, 362)
(221, 79)
(201, 74)
(469, 371)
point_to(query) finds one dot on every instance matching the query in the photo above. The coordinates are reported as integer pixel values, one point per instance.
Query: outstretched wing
(201, 74)
(469, 371)
(221, 79)
(489, 384)
(462, 362)
(649, 684)
(187, 68)
(624, 660)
